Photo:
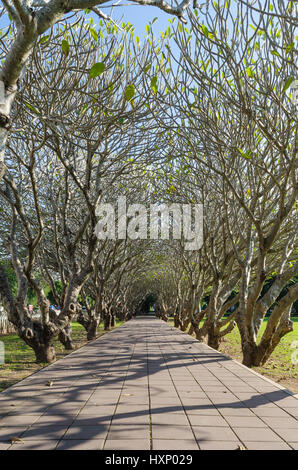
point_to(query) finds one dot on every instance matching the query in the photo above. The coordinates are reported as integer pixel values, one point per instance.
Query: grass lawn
(19, 358)
(279, 366)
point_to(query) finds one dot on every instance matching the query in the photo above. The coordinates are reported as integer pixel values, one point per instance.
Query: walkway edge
(276, 384)
(61, 358)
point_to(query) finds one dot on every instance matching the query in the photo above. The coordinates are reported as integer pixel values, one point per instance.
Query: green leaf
(153, 85)
(97, 69)
(245, 154)
(250, 72)
(205, 31)
(287, 84)
(34, 110)
(289, 48)
(148, 29)
(65, 47)
(130, 92)
(43, 39)
(94, 34)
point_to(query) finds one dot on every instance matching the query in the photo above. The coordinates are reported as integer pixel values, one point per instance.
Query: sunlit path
(147, 385)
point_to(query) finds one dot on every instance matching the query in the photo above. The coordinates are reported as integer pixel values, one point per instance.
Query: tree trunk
(107, 321)
(65, 338)
(113, 320)
(184, 324)
(40, 338)
(213, 337)
(92, 329)
(122, 316)
(44, 353)
(90, 322)
(249, 351)
(177, 323)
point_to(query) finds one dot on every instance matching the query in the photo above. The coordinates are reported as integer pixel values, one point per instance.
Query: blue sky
(139, 16)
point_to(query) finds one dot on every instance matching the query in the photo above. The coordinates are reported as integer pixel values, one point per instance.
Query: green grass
(19, 358)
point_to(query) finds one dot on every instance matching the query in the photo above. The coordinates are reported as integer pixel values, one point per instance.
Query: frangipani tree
(27, 21)
(76, 131)
(227, 106)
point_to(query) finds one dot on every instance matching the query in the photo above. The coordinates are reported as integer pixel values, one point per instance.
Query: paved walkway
(146, 385)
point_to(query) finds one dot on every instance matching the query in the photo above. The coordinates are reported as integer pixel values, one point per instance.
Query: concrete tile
(157, 402)
(174, 432)
(73, 444)
(92, 420)
(219, 445)
(132, 410)
(170, 419)
(128, 431)
(18, 420)
(7, 432)
(235, 411)
(136, 400)
(245, 422)
(86, 432)
(166, 408)
(288, 434)
(292, 411)
(202, 411)
(174, 444)
(4, 445)
(97, 410)
(127, 444)
(288, 402)
(256, 434)
(267, 446)
(199, 420)
(271, 412)
(61, 420)
(293, 445)
(212, 433)
(44, 431)
(35, 445)
(281, 422)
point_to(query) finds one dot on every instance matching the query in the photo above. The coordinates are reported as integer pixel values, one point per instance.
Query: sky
(139, 16)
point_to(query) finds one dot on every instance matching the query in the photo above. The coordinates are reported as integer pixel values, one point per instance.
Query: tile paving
(147, 385)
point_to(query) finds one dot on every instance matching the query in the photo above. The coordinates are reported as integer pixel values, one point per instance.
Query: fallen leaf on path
(16, 439)
(49, 383)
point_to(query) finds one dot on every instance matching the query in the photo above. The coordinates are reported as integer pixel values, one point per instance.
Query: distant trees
(99, 116)
(229, 117)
